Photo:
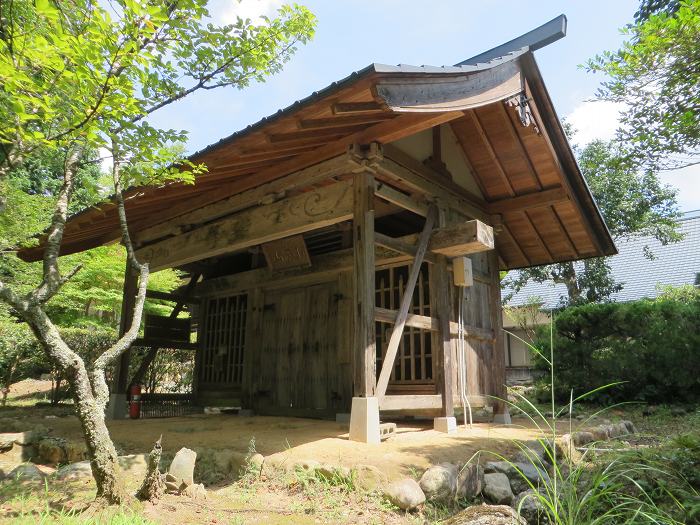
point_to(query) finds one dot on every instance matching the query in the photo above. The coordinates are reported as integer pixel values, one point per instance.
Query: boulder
(76, 451)
(26, 472)
(582, 438)
(306, 465)
(369, 478)
(227, 461)
(334, 473)
(134, 464)
(630, 426)
(182, 466)
(567, 449)
(618, 430)
(79, 470)
(600, 433)
(519, 474)
(537, 452)
(486, 515)
(497, 488)
(405, 494)
(6, 442)
(256, 461)
(470, 481)
(53, 451)
(529, 507)
(195, 491)
(439, 482)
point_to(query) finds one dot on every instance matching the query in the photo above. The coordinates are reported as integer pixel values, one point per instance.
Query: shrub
(651, 346)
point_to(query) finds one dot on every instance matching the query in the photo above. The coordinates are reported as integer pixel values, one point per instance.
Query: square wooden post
(117, 399)
(498, 361)
(441, 294)
(364, 335)
(364, 414)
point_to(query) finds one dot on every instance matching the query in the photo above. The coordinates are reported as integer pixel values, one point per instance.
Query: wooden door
(413, 366)
(297, 348)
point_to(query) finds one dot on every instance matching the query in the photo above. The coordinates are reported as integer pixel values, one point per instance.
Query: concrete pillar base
(364, 420)
(116, 408)
(445, 424)
(502, 419)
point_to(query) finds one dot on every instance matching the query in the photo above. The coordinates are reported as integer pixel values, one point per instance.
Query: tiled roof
(674, 264)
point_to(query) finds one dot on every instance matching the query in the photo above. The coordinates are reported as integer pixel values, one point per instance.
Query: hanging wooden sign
(289, 252)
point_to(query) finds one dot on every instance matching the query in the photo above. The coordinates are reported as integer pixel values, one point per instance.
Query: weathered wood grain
(315, 209)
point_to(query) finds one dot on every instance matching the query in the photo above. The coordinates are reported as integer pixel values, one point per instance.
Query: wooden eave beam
(538, 199)
(340, 108)
(308, 211)
(397, 165)
(342, 121)
(305, 177)
(400, 199)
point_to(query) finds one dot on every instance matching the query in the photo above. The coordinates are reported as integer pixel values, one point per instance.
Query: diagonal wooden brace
(406, 300)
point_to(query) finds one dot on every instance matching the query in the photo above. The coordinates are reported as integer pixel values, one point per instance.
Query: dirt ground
(414, 447)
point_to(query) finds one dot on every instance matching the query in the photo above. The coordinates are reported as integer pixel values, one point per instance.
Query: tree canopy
(78, 76)
(656, 77)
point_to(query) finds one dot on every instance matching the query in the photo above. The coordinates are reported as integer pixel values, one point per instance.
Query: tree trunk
(101, 451)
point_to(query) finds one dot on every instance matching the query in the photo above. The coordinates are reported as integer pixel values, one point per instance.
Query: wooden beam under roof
(536, 199)
(308, 211)
(357, 107)
(305, 177)
(342, 121)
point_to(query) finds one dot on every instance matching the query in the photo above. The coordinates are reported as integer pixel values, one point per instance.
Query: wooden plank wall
(298, 354)
(476, 311)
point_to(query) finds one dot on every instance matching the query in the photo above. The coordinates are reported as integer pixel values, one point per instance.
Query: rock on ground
(519, 474)
(182, 466)
(529, 506)
(486, 515)
(78, 470)
(53, 450)
(497, 488)
(470, 481)
(369, 478)
(439, 482)
(27, 471)
(405, 494)
(196, 492)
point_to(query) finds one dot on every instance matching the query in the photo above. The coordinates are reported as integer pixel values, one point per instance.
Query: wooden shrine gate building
(325, 243)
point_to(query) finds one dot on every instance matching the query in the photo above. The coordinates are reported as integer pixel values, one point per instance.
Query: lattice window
(223, 340)
(414, 360)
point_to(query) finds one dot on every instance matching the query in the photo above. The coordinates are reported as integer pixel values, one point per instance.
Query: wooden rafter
(488, 146)
(517, 140)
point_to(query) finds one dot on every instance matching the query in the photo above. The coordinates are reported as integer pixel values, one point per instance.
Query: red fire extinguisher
(135, 402)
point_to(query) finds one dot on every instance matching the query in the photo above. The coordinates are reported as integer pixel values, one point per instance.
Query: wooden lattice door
(223, 341)
(413, 368)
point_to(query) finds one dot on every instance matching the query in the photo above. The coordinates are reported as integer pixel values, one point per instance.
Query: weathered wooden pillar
(441, 293)
(117, 399)
(498, 363)
(364, 414)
